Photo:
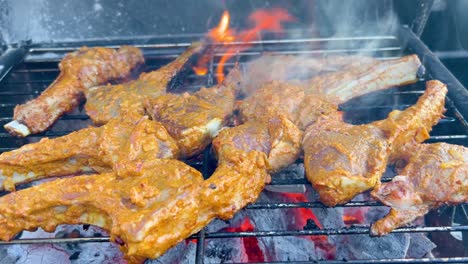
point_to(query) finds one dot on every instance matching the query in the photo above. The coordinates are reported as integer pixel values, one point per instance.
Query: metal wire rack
(28, 69)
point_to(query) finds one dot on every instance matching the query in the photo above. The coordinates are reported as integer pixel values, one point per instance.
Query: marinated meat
(293, 69)
(111, 101)
(182, 126)
(278, 138)
(79, 71)
(300, 105)
(291, 101)
(342, 160)
(145, 215)
(93, 149)
(194, 119)
(362, 78)
(342, 76)
(435, 174)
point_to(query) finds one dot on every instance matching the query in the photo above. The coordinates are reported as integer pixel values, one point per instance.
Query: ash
(79, 253)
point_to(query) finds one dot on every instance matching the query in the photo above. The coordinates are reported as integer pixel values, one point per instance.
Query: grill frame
(408, 41)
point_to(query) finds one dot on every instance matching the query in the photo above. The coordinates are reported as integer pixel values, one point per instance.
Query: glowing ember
(353, 216)
(263, 20)
(304, 215)
(200, 70)
(249, 244)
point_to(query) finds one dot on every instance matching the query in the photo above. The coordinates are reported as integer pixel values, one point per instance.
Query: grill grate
(31, 71)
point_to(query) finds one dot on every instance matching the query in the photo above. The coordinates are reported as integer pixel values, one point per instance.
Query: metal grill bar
(457, 93)
(309, 205)
(200, 250)
(354, 230)
(71, 47)
(387, 261)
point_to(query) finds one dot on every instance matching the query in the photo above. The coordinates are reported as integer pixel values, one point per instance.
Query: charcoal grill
(30, 68)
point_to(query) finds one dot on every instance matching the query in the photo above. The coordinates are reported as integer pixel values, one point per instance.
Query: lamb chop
(145, 215)
(79, 71)
(194, 119)
(345, 74)
(435, 174)
(275, 115)
(342, 160)
(362, 77)
(93, 149)
(278, 138)
(291, 101)
(106, 102)
(182, 125)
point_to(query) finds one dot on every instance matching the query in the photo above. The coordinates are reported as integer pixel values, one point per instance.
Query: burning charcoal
(377, 213)
(330, 217)
(65, 253)
(99, 253)
(217, 225)
(225, 250)
(311, 225)
(420, 246)
(74, 255)
(45, 253)
(5, 257)
(183, 253)
(366, 247)
(290, 249)
(293, 248)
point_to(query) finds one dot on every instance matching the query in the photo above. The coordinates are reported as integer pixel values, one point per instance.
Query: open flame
(262, 20)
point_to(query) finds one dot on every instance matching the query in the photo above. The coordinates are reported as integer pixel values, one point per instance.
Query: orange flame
(262, 20)
(221, 33)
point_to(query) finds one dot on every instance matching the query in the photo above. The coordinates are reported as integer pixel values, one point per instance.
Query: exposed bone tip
(17, 128)
(375, 232)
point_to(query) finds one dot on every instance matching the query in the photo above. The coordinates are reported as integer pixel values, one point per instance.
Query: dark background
(446, 31)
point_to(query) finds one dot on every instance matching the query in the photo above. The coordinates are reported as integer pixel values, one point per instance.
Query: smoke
(345, 18)
(342, 19)
(20, 20)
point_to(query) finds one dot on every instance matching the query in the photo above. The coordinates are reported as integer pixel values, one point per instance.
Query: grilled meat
(106, 102)
(145, 215)
(293, 107)
(79, 71)
(283, 99)
(182, 126)
(278, 138)
(292, 69)
(93, 149)
(435, 174)
(343, 160)
(194, 119)
(342, 76)
(364, 77)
